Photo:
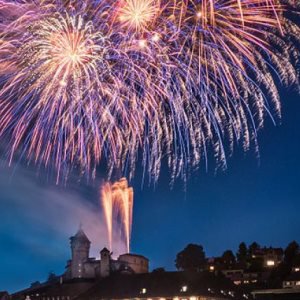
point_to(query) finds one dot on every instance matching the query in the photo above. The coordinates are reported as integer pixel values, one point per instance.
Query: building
(239, 276)
(271, 257)
(4, 295)
(127, 277)
(277, 294)
(292, 281)
(83, 266)
(290, 289)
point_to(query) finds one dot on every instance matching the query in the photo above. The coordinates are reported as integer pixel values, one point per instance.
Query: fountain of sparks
(117, 203)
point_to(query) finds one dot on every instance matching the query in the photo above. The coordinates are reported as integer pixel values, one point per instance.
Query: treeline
(193, 257)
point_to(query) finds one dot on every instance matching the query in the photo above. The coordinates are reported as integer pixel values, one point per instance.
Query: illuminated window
(143, 291)
(297, 282)
(184, 288)
(270, 263)
(297, 269)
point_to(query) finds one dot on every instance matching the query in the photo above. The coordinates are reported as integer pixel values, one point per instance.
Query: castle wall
(138, 263)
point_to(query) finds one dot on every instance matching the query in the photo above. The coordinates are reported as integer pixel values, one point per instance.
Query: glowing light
(155, 37)
(270, 263)
(117, 202)
(184, 289)
(137, 14)
(142, 43)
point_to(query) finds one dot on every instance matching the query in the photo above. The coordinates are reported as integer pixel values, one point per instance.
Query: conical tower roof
(80, 236)
(104, 250)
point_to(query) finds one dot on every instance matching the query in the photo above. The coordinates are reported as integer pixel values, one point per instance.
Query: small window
(184, 289)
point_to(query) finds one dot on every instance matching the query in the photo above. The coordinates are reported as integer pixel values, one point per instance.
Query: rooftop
(164, 284)
(80, 236)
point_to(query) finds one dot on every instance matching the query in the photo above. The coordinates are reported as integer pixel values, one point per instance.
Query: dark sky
(249, 201)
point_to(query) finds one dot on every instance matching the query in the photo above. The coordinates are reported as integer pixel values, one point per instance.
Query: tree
(228, 258)
(242, 253)
(253, 248)
(191, 258)
(291, 252)
(159, 270)
(35, 284)
(51, 277)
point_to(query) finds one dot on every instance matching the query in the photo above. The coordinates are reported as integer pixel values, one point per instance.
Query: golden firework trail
(117, 203)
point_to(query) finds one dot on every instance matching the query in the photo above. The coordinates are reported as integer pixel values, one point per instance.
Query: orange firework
(138, 14)
(117, 202)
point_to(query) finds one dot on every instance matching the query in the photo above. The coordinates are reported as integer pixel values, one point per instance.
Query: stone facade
(82, 266)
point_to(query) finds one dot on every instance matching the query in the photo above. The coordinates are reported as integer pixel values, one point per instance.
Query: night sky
(253, 200)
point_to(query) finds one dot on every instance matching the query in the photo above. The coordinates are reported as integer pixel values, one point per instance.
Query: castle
(83, 266)
(124, 278)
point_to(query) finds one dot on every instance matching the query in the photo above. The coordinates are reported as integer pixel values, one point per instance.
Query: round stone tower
(80, 247)
(105, 262)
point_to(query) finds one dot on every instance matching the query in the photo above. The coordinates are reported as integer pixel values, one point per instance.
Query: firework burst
(83, 81)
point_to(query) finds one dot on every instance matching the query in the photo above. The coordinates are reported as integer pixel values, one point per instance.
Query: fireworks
(137, 14)
(117, 202)
(83, 81)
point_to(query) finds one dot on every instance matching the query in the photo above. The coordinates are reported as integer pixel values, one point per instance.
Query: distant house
(290, 289)
(271, 257)
(292, 281)
(239, 277)
(277, 294)
(4, 295)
